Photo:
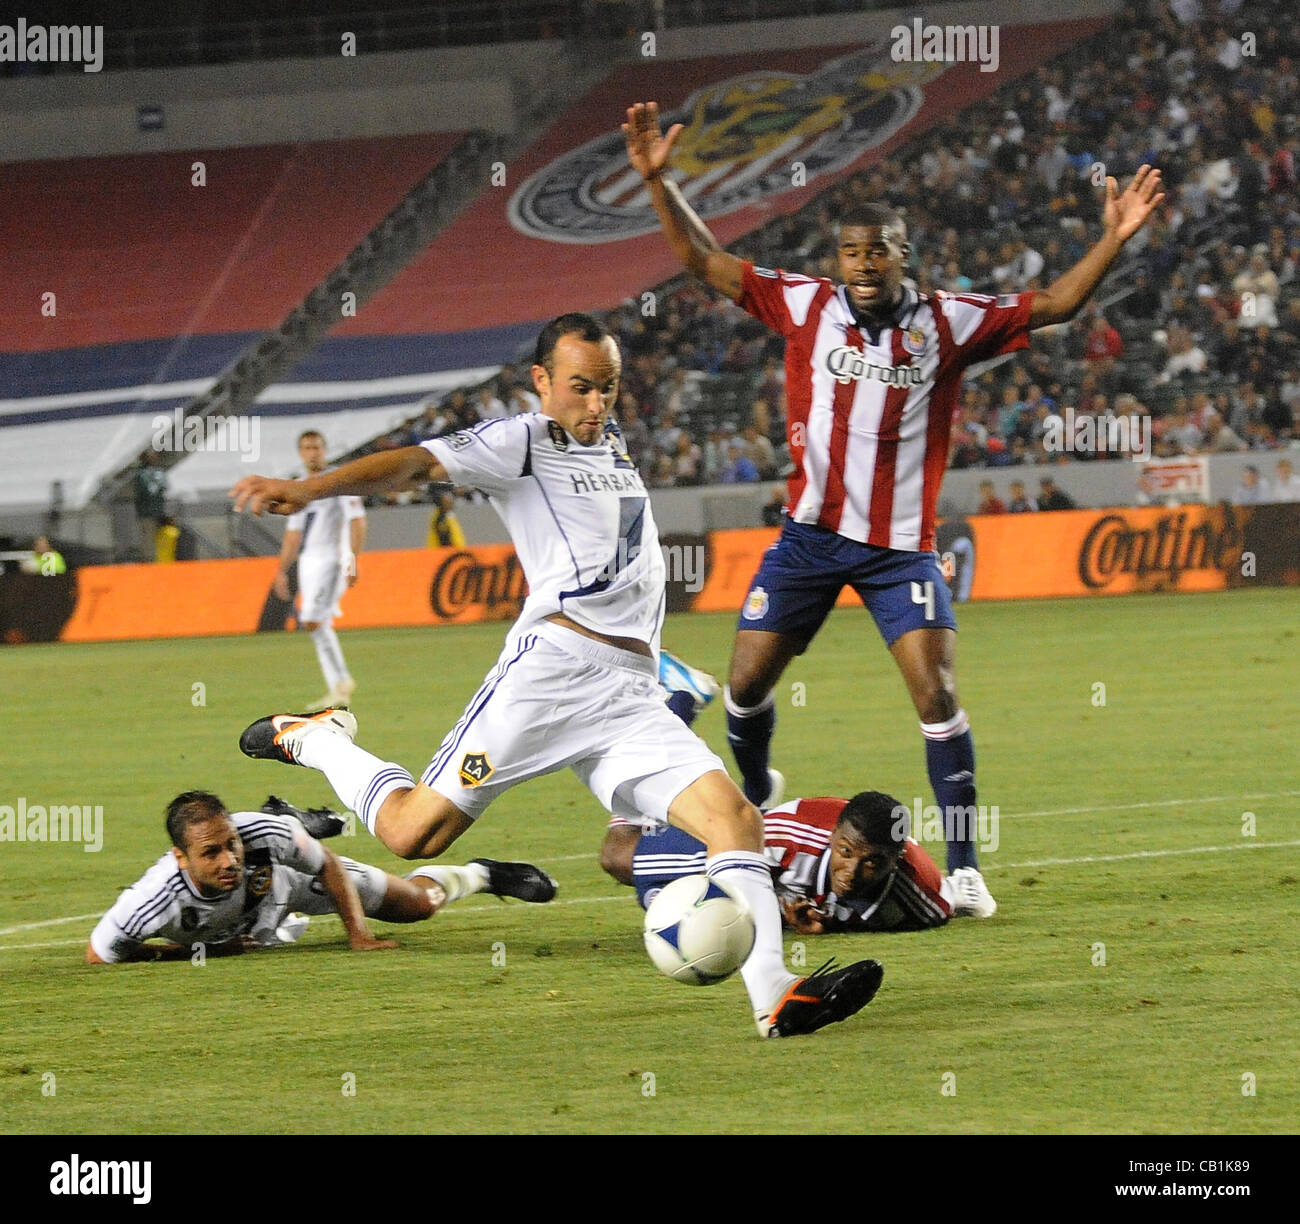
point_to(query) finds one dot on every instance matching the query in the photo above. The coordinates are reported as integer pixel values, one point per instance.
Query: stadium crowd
(1198, 330)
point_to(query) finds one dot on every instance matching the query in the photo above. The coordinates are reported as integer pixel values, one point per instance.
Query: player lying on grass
(232, 880)
(838, 865)
(575, 687)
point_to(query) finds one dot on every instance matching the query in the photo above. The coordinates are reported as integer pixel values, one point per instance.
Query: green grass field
(1121, 824)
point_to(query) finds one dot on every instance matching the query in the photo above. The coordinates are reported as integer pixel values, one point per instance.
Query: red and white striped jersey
(868, 416)
(797, 839)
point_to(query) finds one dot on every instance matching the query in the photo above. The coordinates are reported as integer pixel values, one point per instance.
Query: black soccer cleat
(319, 822)
(521, 880)
(826, 995)
(278, 737)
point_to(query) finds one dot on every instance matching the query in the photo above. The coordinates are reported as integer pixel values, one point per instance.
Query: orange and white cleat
(823, 997)
(279, 737)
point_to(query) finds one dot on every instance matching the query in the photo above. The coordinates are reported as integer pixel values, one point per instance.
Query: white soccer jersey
(869, 415)
(325, 527)
(579, 517)
(164, 903)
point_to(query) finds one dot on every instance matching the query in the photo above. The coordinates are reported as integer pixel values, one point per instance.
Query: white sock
(749, 873)
(359, 778)
(330, 654)
(458, 882)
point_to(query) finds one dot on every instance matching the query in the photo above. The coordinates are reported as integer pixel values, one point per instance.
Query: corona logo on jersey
(743, 137)
(847, 364)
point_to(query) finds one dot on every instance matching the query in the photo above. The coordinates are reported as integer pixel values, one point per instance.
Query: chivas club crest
(742, 135)
(755, 604)
(914, 341)
(475, 769)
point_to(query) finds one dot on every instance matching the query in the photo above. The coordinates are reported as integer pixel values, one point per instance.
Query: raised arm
(1124, 215)
(381, 473)
(648, 150)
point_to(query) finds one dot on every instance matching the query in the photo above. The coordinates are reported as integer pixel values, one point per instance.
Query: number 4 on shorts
(923, 593)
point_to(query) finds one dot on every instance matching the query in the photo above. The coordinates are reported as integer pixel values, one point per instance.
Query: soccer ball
(697, 931)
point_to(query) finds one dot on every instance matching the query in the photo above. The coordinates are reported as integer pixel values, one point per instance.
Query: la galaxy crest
(559, 439)
(475, 769)
(742, 134)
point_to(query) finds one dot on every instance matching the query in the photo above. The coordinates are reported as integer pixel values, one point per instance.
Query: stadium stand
(160, 282)
(999, 198)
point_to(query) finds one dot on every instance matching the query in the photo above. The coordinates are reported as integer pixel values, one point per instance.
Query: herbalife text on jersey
(955, 44)
(39, 44)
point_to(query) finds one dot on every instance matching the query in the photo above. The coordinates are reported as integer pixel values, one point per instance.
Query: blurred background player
(839, 866)
(873, 370)
(233, 881)
(445, 530)
(324, 539)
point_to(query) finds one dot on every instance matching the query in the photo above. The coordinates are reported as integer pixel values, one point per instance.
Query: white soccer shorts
(308, 896)
(558, 700)
(321, 585)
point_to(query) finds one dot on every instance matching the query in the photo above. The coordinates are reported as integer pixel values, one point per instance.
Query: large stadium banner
(1007, 556)
(569, 222)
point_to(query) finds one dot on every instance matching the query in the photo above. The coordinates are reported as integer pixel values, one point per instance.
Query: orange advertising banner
(1017, 556)
(417, 586)
(1042, 555)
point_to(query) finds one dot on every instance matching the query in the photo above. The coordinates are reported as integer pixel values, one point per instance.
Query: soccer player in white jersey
(873, 370)
(324, 538)
(233, 880)
(576, 685)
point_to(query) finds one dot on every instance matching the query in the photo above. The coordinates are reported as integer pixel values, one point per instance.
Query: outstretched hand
(1125, 214)
(259, 493)
(648, 149)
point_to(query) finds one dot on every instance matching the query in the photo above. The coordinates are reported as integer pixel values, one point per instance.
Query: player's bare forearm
(1064, 297)
(358, 530)
(334, 879)
(385, 472)
(648, 152)
(1122, 216)
(692, 241)
(289, 548)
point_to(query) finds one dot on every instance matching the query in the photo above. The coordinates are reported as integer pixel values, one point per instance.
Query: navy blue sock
(682, 704)
(749, 732)
(950, 760)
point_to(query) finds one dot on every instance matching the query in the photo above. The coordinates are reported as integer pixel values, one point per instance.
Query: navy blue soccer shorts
(803, 573)
(665, 854)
